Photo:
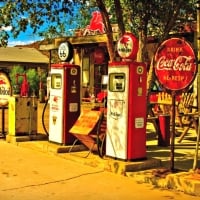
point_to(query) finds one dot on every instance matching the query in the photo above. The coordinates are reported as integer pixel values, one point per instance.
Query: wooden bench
(90, 130)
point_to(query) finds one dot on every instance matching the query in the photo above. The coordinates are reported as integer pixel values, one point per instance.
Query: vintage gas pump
(126, 103)
(64, 97)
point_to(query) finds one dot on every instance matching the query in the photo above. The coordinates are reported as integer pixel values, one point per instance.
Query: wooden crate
(22, 115)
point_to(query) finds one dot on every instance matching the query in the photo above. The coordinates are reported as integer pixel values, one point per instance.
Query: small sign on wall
(139, 122)
(5, 89)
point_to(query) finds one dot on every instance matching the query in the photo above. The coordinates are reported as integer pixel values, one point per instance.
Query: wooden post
(198, 84)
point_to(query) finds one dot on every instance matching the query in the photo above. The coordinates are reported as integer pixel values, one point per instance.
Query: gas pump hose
(100, 140)
(43, 113)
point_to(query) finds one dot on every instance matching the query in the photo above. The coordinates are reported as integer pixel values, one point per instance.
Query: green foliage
(31, 75)
(46, 18)
(159, 17)
(50, 18)
(13, 75)
(33, 80)
(84, 15)
(43, 77)
(154, 17)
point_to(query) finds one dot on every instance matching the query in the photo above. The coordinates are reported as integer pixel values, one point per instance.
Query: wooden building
(90, 53)
(23, 56)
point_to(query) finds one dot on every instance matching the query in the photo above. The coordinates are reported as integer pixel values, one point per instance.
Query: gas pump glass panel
(56, 81)
(117, 82)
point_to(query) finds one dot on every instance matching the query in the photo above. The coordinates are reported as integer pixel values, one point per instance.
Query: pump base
(127, 160)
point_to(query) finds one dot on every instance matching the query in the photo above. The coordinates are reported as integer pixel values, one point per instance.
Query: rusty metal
(173, 131)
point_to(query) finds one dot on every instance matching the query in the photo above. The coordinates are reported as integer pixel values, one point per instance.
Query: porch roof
(22, 55)
(79, 40)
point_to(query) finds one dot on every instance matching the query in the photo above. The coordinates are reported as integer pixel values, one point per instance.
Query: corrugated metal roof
(21, 54)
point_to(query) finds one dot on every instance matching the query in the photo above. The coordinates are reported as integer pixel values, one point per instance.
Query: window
(117, 82)
(56, 81)
(86, 71)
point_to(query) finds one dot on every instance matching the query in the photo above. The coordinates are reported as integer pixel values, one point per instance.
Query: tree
(142, 17)
(131, 15)
(147, 18)
(159, 18)
(46, 18)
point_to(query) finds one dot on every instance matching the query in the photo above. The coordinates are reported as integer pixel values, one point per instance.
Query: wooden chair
(187, 114)
(185, 108)
(90, 130)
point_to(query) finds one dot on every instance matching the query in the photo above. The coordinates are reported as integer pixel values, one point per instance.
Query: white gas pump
(126, 104)
(64, 97)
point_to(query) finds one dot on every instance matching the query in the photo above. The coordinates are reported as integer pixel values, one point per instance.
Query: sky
(28, 37)
(23, 38)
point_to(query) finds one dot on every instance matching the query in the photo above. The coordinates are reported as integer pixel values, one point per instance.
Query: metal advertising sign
(175, 68)
(86, 122)
(5, 89)
(175, 64)
(65, 51)
(127, 46)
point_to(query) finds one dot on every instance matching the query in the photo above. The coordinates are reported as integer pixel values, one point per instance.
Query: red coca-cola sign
(175, 64)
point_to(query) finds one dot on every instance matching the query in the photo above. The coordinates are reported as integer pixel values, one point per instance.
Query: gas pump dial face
(140, 70)
(65, 51)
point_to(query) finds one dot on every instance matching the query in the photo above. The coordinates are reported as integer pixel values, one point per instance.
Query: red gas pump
(126, 104)
(64, 98)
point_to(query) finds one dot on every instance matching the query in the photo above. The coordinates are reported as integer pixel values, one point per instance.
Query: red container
(164, 134)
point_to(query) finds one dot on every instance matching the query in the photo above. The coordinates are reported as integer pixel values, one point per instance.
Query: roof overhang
(79, 41)
(22, 55)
